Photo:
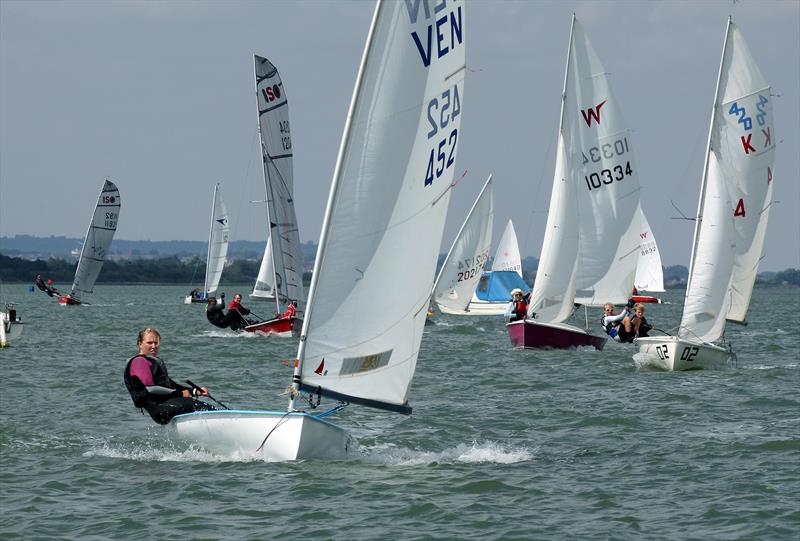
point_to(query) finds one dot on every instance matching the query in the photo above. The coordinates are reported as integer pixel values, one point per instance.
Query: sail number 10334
(441, 111)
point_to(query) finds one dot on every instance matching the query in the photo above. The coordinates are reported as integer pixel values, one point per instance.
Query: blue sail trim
(398, 408)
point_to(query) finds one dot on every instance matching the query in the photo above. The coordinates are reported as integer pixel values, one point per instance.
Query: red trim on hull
(529, 334)
(68, 301)
(276, 326)
(640, 298)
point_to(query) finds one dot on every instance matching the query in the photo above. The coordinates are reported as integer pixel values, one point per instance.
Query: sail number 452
(441, 110)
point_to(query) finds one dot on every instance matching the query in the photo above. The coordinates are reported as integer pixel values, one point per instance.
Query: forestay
(590, 235)
(374, 270)
(463, 266)
(735, 198)
(217, 243)
(649, 271)
(98, 239)
(507, 257)
(277, 161)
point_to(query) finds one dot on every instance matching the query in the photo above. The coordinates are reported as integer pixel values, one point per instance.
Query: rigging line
(542, 172)
(279, 423)
(682, 215)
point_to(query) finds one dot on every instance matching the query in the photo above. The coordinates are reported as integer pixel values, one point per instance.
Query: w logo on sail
(643, 235)
(593, 113)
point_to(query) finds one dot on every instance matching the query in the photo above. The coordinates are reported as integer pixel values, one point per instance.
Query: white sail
(649, 271)
(507, 257)
(264, 287)
(98, 239)
(374, 270)
(735, 197)
(217, 243)
(463, 266)
(589, 234)
(276, 154)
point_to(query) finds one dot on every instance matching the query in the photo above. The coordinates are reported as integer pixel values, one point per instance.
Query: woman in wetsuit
(150, 386)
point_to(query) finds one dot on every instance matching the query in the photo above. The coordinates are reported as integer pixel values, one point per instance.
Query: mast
(298, 365)
(210, 237)
(701, 202)
(85, 239)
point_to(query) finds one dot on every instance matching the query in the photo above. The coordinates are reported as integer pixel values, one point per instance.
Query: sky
(159, 97)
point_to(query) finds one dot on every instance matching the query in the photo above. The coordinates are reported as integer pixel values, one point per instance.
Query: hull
(672, 353)
(643, 298)
(289, 436)
(478, 308)
(287, 325)
(533, 334)
(66, 300)
(188, 299)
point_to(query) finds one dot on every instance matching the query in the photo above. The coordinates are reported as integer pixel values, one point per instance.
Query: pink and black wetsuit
(151, 388)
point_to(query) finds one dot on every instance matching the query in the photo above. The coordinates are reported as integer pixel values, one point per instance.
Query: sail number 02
(441, 110)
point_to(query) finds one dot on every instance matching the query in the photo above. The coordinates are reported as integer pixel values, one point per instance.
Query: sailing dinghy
(649, 271)
(102, 227)
(383, 225)
(463, 265)
(735, 198)
(218, 233)
(590, 243)
(10, 325)
(280, 277)
(493, 293)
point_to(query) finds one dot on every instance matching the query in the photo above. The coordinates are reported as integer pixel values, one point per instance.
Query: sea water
(502, 443)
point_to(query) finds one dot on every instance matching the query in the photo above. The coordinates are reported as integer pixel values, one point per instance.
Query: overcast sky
(159, 97)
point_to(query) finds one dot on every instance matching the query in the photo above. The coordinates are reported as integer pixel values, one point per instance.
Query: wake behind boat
(102, 226)
(387, 206)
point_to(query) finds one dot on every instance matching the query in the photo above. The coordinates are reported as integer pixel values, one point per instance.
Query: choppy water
(503, 444)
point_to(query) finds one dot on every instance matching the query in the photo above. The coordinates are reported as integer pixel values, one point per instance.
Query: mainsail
(463, 266)
(735, 198)
(590, 243)
(98, 239)
(283, 245)
(507, 257)
(383, 226)
(217, 243)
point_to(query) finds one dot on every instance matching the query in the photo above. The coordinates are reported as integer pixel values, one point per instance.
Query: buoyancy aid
(136, 388)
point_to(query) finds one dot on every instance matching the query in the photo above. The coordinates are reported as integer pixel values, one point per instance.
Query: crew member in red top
(291, 310)
(236, 313)
(517, 308)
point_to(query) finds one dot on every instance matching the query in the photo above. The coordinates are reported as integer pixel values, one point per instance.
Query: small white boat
(102, 226)
(732, 215)
(493, 292)
(218, 234)
(383, 225)
(10, 325)
(463, 266)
